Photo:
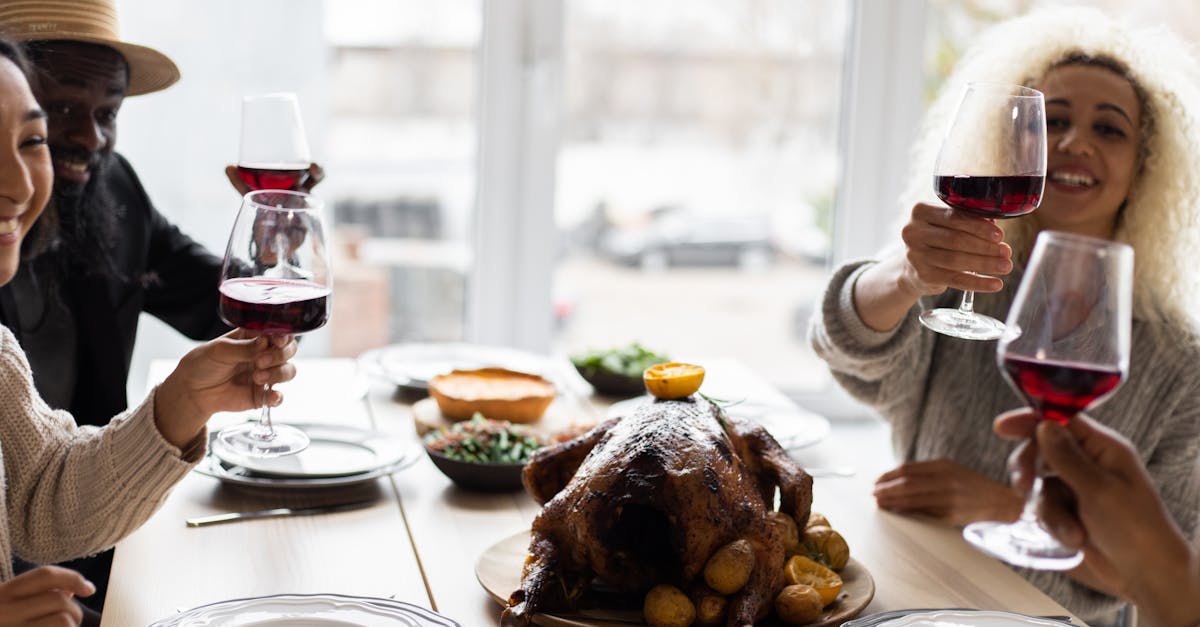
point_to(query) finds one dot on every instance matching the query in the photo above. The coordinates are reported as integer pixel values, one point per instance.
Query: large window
(696, 176)
(387, 89)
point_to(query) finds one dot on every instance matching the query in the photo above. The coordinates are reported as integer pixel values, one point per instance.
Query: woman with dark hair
(70, 491)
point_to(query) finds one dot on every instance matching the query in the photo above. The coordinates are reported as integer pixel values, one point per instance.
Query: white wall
(180, 140)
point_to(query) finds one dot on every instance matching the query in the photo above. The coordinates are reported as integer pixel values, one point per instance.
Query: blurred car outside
(679, 237)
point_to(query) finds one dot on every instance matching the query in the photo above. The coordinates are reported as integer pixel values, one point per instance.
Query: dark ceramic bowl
(477, 476)
(611, 383)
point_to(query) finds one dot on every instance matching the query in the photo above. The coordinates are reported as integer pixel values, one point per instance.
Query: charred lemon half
(673, 380)
(800, 569)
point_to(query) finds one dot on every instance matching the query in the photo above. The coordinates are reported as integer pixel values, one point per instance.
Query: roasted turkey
(648, 498)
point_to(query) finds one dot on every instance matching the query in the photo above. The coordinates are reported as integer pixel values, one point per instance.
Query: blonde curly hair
(1159, 217)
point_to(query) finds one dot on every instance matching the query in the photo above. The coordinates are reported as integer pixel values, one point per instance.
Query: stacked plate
(411, 366)
(792, 427)
(337, 456)
(310, 610)
(954, 618)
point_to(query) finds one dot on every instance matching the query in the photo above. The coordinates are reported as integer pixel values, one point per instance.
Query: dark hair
(41, 234)
(11, 51)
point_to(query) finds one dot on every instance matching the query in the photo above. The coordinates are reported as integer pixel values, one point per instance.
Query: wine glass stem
(265, 430)
(967, 306)
(1029, 512)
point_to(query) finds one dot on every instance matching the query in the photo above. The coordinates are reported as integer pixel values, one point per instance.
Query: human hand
(275, 231)
(947, 491)
(225, 374)
(943, 247)
(43, 596)
(1103, 501)
(316, 174)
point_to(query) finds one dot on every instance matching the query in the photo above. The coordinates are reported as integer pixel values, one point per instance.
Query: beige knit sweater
(940, 395)
(70, 491)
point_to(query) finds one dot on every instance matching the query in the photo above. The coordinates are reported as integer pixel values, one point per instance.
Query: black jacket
(158, 270)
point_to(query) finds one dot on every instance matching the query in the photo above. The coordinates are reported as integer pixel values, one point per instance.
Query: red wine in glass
(992, 164)
(1065, 349)
(1059, 390)
(292, 178)
(276, 279)
(274, 305)
(991, 196)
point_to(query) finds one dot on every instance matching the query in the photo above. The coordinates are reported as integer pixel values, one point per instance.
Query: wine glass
(276, 279)
(273, 153)
(1065, 349)
(992, 164)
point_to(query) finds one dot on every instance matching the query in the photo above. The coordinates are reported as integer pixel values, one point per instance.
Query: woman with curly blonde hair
(1123, 163)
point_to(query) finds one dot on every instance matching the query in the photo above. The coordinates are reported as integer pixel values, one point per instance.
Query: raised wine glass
(992, 164)
(276, 279)
(1065, 349)
(273, 152)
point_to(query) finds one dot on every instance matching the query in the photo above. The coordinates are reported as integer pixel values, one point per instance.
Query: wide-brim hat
(88, 21)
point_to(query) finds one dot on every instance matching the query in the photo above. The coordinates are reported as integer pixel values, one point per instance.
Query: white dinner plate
(307, 610)
(792, 427)
(413, 365)
(236, 475)
(333, 451)
(968, 618)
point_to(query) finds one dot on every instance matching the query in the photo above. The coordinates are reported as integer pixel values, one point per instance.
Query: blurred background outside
(699, 147)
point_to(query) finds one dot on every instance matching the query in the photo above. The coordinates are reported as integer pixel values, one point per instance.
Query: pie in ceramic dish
(497, 393)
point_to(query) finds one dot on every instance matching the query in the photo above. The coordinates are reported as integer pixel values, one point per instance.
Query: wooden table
(419, 542)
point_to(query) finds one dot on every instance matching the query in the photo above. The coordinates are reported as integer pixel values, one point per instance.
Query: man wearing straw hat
(111, 255)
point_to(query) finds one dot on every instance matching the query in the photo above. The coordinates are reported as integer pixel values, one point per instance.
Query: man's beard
(85, 223)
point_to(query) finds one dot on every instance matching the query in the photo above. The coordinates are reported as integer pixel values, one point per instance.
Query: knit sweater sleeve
(71, 491)
(1173, 463)
(886, 370)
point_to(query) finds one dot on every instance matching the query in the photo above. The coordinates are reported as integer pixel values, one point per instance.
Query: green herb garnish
(481, 440)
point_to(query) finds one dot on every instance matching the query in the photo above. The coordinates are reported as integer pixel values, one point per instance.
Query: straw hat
(89, 21)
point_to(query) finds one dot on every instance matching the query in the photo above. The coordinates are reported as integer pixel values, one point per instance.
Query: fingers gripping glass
(276, 280)
(1065, 349)
(273, 151)
(993, 165)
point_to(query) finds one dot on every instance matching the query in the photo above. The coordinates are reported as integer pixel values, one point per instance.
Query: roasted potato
(798, 604)
(828, 544)
(786, 524)
(710, 607)
(668, 606)
(729, 567)
(816, 520)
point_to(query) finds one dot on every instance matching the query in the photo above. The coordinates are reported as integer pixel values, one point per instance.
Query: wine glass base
(1022, 543)
(246, 440)
(967, 326)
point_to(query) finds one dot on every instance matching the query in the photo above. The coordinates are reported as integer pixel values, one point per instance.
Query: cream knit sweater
(940, 395)
(70, 491)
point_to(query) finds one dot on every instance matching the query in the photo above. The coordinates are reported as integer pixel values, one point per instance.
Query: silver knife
(279, 512)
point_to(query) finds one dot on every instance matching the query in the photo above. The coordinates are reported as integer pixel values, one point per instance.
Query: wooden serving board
(559, 417)
(499, 572)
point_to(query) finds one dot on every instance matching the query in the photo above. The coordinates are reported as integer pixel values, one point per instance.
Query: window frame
(521, 61)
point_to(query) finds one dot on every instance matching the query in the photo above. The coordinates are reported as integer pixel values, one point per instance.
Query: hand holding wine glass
(1065, 348)
(276, 279)
(992, 165)
(273, 150)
